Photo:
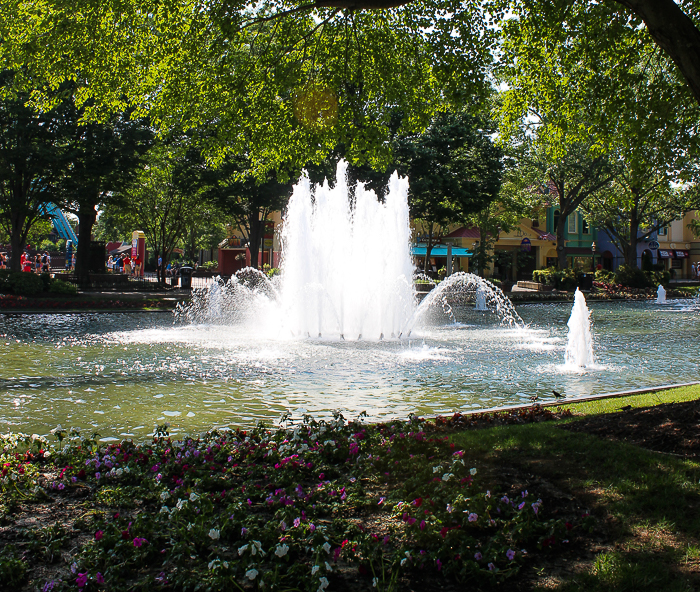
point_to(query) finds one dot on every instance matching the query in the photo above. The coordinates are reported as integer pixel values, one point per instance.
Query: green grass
(646, 504)
(612, 405)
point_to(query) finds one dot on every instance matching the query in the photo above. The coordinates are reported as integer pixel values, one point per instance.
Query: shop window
(573, 223)
(663, 231)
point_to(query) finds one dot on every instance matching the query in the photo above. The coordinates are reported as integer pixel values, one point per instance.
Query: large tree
(32, 158)
(245, 198)
(454, 170)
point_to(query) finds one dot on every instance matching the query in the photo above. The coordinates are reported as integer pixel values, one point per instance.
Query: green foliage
(12, 569)
(63, 288)
(605, 276)
(561, 279)
(209, 265)
(20, 282)
(634, 277)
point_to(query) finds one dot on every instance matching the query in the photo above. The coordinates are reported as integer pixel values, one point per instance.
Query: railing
(122, 282)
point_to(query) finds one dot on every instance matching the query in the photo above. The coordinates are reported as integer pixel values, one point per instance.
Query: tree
(101, 160)
(247, 199)
(163, 200)
(32, 158)
(454, 170)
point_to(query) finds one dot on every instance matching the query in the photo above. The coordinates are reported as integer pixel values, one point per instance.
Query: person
(37, 263)
(169, 270)
(22, 259)
(110, 263)
(693, 271)
(27, 265)
(3, 261)
(160, 262)
(72, 263)
(127, 264)
(137, 265)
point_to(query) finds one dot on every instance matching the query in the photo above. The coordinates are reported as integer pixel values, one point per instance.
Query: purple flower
(491, 567)
(61, 486)
(422, 524)
(439, 564)
(99, 578)
(81, 580)
(73, 480)
(478, 556)
(473, 517)
(521, 506)
(297, 522)
(510, 554)
(244, 531)
(138, 541)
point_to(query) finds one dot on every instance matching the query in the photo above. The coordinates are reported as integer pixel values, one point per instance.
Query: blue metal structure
(60, 223)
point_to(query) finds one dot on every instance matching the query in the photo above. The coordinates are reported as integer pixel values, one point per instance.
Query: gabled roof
(464, 232)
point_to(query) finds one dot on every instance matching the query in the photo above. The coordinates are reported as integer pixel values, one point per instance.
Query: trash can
(186, 277)
(585, 281)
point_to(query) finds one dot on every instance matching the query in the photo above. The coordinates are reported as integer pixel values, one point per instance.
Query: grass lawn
(567, 500)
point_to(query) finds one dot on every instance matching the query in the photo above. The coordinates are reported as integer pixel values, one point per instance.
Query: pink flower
(138, 541)
(81, 580)
(99, 578)
(491, 567)
(381, 501)
(98, 535)
(422, 525)
(473, 517)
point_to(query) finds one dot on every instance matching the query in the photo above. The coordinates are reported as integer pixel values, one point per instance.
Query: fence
(147, 283)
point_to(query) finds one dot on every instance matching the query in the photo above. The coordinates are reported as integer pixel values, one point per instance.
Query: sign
(654, 244)
(682, 254)
(664, 254)
(525, 245)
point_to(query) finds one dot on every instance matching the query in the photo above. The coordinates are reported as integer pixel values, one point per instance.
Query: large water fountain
(347, 273)
(340, 329)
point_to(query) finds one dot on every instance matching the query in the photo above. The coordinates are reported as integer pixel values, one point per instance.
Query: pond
(121, 374)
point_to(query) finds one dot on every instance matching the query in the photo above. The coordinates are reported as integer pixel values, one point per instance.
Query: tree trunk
(87, 215)
(675, 33)
(561, 248)
(17, 238)
(631, 247)
(254, 236)
(428, 251)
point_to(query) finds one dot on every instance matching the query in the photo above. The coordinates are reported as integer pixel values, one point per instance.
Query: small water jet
(579, 347)
(660, 295)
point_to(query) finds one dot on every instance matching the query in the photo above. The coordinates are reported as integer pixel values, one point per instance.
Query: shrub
(20, 283)
(545, 276)
(654, 278)
(12, 569)
(61, 287)
(605, 276)
(562, 279)
(209, 266)
(631, 276)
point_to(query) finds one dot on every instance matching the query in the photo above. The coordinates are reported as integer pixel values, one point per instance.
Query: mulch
(671, 428)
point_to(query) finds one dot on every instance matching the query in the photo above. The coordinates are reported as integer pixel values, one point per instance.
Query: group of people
(695, 271)
(125, 264)
(39, 263)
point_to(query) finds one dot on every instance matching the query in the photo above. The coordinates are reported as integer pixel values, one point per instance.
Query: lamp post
(593, 250)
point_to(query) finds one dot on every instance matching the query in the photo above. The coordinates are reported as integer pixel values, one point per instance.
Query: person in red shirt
(127, 265)
(137, 266)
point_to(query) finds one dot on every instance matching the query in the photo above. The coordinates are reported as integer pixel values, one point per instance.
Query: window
(586, 228)
(573, 223)
(663, 231)
(556, 220)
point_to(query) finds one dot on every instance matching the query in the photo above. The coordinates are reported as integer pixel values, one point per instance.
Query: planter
(423, 287)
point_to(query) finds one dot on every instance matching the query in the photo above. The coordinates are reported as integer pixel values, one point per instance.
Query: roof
(464, 232)
(543, 234)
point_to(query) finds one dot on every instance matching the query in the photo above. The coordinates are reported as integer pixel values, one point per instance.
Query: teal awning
(419, 250)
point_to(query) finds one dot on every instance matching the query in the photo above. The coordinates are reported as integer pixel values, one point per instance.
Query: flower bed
(314, 506)
(12, 302)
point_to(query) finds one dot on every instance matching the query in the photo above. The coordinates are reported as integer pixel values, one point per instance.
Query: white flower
(193, 497)
(242, 549)
(281, 550)
(120, 472)
(58, 428)
(323, 584)
(329, 443)
(181, 504)
(329, 567)
(164, 510)
(450, 509)
(447, 476)
(251, 574)
(437, 469)
(212, 563)
(326, 547)
(314, 569)
(164, 495)
(215, 534)
(374, 582)
(404, 561)
(472, 471)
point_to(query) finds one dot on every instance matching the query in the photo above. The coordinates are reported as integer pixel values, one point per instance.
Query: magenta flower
(422, 525)
(381, 501)
(81, 580)
(439, 564)
(138, 541)
(99, 578)
(98, 535)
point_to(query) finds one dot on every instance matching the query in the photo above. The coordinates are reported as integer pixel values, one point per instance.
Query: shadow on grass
(647, 503)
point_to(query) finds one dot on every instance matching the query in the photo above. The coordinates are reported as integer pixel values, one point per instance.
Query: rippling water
(120, 374)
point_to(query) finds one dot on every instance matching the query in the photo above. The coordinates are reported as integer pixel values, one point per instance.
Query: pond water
(121, 374)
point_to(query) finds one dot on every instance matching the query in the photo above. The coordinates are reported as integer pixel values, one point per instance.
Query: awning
(120, 250)
(419, 250)
(669, 254)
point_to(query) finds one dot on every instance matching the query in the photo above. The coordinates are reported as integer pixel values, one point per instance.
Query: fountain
(579, 347)
(346, 274)
(660, 295)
